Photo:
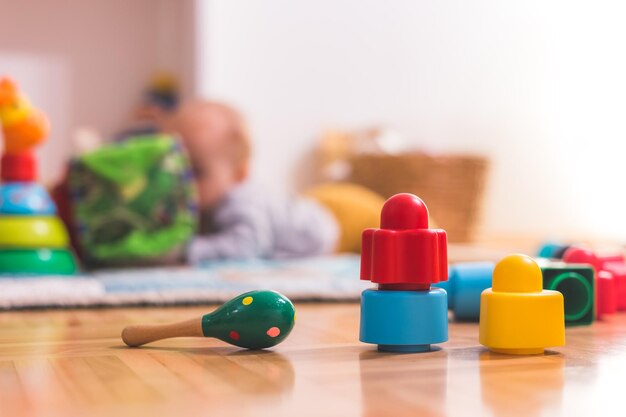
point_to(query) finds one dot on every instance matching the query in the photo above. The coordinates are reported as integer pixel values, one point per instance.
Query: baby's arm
(243, 234)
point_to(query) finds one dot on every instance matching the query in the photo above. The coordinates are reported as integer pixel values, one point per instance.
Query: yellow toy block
(517, 316)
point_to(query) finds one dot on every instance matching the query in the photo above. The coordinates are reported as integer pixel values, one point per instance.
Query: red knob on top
(404, 253)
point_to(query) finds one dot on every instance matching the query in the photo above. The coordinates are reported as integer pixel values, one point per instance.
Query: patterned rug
(326, 278)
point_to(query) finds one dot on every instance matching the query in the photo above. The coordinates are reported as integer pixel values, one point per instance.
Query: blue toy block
(552, 250)
(25, 199)
(404, 321)
(466, 281)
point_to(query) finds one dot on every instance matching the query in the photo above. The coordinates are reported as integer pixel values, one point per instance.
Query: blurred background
(507, 117)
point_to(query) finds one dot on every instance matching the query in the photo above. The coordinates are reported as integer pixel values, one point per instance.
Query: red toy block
(606, 294)
(618, 270)
(404, 254)
(610, 278)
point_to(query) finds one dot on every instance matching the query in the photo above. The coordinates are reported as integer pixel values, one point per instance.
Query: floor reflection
(392, 383)
(521, 385)
(259, 372)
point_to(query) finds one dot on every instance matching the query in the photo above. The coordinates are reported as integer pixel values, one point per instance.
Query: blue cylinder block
(404, 321)
(466, 281)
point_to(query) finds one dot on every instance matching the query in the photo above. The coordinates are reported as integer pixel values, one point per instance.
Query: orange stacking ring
(23, 135)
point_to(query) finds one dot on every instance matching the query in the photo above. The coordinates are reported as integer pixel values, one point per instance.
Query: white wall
(537, 86)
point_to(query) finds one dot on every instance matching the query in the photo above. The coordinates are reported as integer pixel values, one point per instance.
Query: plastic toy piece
(606, 294)
(21, 167)
(254, 320)
(517, 317)
(610, 278)
(25, 199)
(23, 126)
(32, 232)
(404, 257)
(552, 250)
(466, 281)
(577, 284)
(37, 262)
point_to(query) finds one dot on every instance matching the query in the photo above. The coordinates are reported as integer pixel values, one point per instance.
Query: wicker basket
(451, 186)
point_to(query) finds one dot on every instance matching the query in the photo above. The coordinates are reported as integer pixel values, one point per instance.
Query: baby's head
(217, 141)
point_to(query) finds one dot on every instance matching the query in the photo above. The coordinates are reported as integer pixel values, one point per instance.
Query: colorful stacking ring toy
(32, 232)
(37, 262)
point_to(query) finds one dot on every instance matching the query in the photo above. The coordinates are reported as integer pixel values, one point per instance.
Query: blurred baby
(238, 218)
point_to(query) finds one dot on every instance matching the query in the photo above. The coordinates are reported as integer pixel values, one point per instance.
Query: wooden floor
(73, 363)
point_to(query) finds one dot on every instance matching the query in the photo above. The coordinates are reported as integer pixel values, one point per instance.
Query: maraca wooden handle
(141, 334)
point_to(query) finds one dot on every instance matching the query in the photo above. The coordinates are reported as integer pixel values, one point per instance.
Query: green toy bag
(133, 201)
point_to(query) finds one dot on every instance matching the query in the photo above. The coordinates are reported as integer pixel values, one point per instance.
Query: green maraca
(254, 320)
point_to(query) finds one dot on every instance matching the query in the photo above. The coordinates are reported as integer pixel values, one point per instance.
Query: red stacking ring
(18, 167)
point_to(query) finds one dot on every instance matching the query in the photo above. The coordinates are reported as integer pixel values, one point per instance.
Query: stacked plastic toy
(33, 240)
(404, 257)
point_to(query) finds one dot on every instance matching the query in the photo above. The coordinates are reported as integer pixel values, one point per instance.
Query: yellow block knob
(516, 315)
(517, 273)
